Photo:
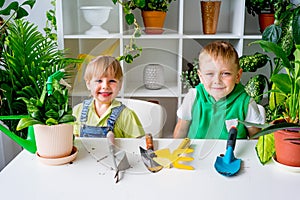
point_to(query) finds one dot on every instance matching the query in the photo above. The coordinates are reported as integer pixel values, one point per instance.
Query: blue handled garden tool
(228, 165)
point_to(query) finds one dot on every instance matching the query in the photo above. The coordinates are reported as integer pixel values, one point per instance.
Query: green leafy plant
(15, 10)
(132, 50)
(51, 108)
(189, 77)
(148, 5)
(51, 25)
(27, 60)
(260, 6)
(287, 86)
(256, 84)
(282, 39)
(280, 33)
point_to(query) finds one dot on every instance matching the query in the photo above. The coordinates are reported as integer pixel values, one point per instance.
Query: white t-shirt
(185, 110)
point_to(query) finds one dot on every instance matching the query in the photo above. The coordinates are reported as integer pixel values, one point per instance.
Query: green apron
(208, 115)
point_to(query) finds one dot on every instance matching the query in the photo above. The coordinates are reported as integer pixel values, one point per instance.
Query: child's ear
(199, 75)
(87, 83)
(239, 75)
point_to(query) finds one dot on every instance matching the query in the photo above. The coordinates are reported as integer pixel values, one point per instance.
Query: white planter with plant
(48, 113)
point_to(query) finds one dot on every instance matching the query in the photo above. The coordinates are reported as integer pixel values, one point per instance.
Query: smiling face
(219, 78)
(103, 78)
(219, 70)
(105, 88)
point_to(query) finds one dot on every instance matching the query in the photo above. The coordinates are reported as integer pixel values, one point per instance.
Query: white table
(27, 178)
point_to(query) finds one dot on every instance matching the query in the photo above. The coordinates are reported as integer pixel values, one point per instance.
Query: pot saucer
(285, 167)
(153, 31)
(59, 161)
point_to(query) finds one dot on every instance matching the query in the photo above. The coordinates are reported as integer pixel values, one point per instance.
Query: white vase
(54, 141)
(96, 16)
(154, 76)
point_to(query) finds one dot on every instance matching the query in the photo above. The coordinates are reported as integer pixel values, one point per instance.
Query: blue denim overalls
(97, 131)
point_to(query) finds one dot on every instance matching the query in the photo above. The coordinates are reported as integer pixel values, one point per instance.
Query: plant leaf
(254, 124)
(272, 33)
(26, 122)
(275, 127)
(296, 28)
(265, 148)
(282, 82)
(129, 18)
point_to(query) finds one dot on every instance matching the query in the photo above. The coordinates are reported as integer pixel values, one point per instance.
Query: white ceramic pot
(54, 141)
(96, 16)
(154, 76)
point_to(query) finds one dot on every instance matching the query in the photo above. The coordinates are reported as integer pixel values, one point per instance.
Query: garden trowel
(148, 155)
(119, 158)
(228, 165)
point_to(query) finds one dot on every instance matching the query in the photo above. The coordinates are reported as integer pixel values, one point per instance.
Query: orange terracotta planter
(154, 21)
(287, 153)
(265, 20)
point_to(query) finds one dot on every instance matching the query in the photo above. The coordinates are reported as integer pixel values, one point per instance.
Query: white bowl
(96, 16)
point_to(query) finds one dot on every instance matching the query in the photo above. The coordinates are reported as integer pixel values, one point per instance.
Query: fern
(28, 58)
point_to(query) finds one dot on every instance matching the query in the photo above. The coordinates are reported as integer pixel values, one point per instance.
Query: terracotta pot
(54, 141)
(265, 20)
(210, 16)
(287, 153)
(154, 21)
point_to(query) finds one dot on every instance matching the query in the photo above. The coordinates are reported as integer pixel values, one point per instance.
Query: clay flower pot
(265, 20)
(54, 141)
(154, 21)
(287, 151)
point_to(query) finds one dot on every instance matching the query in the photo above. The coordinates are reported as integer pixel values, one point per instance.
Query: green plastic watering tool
(57, 75)
(28, 143)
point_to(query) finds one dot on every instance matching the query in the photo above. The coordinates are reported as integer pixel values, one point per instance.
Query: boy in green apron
(220, 97)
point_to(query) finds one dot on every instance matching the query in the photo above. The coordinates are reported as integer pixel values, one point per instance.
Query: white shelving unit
(180, 43)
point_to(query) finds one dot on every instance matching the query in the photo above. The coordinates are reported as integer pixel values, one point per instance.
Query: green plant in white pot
(28, 58)
(52, 119)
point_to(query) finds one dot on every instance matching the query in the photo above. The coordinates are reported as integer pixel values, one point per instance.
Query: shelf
(83, 36)
(215, 36)
(137, 89)
(179, 44)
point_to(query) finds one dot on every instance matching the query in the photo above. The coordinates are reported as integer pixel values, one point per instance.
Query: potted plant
(51, 117)
(154, 9)
(280, 33)
(265, 10)
(28, 58)
(287, 85)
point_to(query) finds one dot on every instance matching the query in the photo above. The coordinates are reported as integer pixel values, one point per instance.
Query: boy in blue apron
(102, 113)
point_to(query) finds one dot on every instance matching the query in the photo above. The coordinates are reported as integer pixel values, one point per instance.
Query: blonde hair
(103, 66)
(220, 50)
